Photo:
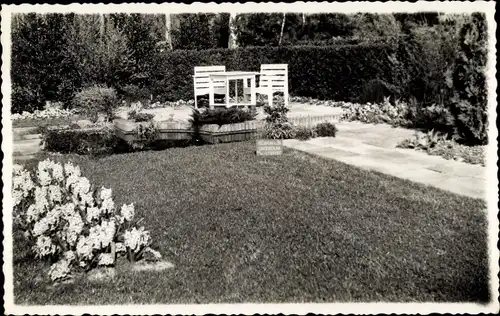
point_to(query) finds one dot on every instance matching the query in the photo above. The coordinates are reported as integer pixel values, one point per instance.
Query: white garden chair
(273, 78)
(201, 84)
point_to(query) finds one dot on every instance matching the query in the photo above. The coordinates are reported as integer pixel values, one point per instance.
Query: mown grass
(291, 228)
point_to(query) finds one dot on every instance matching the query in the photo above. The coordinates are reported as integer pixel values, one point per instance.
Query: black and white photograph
(245, 158)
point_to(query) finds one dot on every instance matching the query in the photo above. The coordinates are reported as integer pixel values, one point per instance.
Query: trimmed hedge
(330, 72)
(93, 141)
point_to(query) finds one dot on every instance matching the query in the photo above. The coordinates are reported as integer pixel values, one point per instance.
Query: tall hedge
(470, 102)
(332, 72)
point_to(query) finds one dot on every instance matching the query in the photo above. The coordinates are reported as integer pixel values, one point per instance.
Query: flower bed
(438, 145)
(72, 225)
(91, 140)
(51, 115)
(211, 133)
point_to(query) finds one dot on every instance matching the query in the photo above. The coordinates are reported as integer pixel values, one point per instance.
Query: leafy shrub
(439, 145)
(146, 134)
(304, 133)
(95, 100)
(88, 141)
(140, 117)
(423, 141)
(133, 93)
(219, 116)
(277, 125)
(326, 129)
(71, 224)
(436, 117)
(284, 130)
(276, 113)
(222, 116)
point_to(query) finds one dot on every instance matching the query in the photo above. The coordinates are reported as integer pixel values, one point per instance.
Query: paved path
(373, 147)
(297, 110)
(26, 143)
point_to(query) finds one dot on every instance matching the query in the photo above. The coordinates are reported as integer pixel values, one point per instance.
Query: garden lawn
(291, 228)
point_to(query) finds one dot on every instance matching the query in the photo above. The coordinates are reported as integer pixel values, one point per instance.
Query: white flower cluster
(136, 106)
(60, 270)
(156, 255)
(49, 112)
(22, 184)
(136, 239)
(71, 221)
(128, 212)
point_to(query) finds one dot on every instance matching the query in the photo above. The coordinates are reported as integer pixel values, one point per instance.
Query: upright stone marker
(269, 147)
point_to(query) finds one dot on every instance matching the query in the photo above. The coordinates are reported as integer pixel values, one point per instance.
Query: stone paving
(27, 142)
(183, 113)
(373, 147)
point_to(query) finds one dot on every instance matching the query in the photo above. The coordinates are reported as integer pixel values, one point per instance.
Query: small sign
(269, 147)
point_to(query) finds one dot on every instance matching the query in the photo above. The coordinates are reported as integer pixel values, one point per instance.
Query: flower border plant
(73, 225)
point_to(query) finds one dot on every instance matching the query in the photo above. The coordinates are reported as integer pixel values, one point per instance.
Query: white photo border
(299, 309)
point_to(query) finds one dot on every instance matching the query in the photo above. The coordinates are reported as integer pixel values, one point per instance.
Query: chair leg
(195, 102)
(286, 96)
(270, 98)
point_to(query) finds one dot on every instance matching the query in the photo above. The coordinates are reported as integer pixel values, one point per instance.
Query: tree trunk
(168, 34)
(282, 29)
(101, 25)
(232, 34)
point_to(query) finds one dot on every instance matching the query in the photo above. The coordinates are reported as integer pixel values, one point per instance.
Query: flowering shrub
(73, 225)
(312, 101)
(48, 112)
(284, 130)
(394, 114)
(174, 104)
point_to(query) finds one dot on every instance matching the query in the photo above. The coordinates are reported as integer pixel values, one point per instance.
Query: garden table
(228, 76)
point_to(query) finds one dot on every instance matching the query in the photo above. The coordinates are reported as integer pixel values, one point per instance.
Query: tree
(143, 32)
(282, 29)
(168, 32)
(195, 31)
(470, 103)
(233, 41)
(372, 26)
(102, 51)
(43, 63)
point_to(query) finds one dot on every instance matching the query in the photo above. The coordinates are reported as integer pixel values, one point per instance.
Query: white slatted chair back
(201, 81)
(201, 78)
(274, 78)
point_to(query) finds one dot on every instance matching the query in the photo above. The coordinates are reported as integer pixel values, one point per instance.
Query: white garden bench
(201, 81)
(273, 78)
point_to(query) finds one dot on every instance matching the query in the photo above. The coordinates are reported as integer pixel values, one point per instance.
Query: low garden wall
(210, 133)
